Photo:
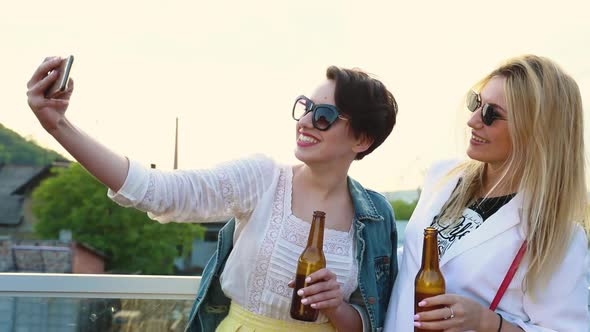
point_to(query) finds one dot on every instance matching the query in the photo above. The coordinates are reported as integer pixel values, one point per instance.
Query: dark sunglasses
(323, 115)
(488, 112)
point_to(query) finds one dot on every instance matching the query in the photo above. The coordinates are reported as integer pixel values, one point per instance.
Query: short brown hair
(372, 109)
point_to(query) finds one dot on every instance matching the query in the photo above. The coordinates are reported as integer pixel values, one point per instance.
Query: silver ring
(452, 312)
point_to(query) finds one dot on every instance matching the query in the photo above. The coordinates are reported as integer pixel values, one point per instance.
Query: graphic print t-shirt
(473, 217)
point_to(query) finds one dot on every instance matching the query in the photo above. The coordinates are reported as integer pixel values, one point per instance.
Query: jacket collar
(506, 217)
(364, 208)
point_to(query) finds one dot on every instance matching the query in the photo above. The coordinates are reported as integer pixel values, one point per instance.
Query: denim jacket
(376, 242)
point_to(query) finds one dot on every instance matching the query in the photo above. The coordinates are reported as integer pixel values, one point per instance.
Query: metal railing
(98, 286)
(84, 302)
(171, 293)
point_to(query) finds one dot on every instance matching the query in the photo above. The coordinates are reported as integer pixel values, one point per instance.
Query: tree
(403, 209)
(76, 201)
(14, 149)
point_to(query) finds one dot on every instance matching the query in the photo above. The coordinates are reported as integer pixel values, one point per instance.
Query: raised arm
(107, 166)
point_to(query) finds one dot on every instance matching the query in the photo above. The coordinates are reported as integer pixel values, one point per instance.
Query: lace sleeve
(231, 189)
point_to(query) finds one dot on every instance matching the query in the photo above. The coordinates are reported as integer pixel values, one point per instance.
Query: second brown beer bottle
(311, 260)
(429, 279)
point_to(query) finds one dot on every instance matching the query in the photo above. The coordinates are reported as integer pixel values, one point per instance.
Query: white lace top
(268, 238)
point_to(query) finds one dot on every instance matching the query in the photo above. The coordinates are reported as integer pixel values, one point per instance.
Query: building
(49, 256)
(19, 250)
(202, 250)
(17, 183)
(408, 196)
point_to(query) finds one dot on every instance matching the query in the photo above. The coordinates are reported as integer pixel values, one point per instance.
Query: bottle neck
(430, 252)
(316, 233)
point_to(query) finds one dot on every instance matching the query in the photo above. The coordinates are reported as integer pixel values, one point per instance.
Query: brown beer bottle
(311, 259)
(429, 280)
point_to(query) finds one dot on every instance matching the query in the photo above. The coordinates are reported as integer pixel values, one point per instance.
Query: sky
(230, 70)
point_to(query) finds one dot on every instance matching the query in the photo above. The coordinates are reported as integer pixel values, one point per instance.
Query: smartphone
(61, 84)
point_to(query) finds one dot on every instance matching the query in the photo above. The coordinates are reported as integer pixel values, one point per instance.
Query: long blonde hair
(546, 164)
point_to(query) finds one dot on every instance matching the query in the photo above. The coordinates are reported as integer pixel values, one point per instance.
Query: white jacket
(475, 266)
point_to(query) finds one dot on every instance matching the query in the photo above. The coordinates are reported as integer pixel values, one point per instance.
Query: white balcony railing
(98, 286)
(82, 302)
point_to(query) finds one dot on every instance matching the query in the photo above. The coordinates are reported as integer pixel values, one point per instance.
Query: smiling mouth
(306, 139)
(479, 139)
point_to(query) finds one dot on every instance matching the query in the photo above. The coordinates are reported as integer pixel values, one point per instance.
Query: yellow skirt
(242, 320)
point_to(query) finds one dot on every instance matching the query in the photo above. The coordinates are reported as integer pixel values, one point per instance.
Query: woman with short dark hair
(246, 284)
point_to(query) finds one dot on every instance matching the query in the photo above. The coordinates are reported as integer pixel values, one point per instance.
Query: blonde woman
(525, 182)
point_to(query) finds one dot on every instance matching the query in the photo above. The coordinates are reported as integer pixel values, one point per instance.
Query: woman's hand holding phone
(50, 109)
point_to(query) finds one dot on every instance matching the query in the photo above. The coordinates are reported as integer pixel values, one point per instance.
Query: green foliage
(403, 210)
(14, 149)
(75, 200)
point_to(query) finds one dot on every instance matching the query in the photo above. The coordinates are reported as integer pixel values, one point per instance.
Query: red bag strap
(508, 277)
